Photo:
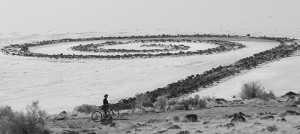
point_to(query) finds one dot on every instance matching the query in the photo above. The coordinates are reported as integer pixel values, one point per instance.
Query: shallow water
(119, 17)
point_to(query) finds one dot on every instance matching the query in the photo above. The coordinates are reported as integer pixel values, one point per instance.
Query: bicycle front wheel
(96, 116)
(114, 114)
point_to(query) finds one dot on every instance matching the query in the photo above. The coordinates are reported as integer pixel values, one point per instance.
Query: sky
(270, 17)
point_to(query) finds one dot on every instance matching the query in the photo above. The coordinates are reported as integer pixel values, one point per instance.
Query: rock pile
(238, 117)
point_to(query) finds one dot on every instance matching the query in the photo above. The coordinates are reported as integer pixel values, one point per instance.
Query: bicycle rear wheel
(96, 116)
(114, 114)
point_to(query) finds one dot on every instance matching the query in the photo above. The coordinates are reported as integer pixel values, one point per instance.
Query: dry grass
(85, 108)
(161, 102)
(251, 90)
(208, 98)
(255, 90)
(142, 100)
(29, 122)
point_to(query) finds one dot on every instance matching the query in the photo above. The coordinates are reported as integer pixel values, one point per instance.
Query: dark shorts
(104, 107)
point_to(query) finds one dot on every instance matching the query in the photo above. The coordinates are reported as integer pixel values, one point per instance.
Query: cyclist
(105, 114)
(105, 104)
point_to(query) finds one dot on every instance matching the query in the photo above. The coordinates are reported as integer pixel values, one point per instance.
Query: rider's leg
(105, 109)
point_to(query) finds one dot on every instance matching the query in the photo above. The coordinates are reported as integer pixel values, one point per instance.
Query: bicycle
(98, 115)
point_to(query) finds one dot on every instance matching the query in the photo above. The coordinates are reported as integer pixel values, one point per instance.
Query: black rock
(61, 118)
(220, 100)
(291, 94)
(155, 121)
(281, 120)
(257, 123)
(175, 127)
(272, 128)
(219, 126)
(291, 112)
(70, 132)
(199, 131)
(229, 125)
(138, 129)
(236, 114)
(297, 127)
(63, 112)
(161, 132)
(62, 115)
(206, 122)
(113, 124)
(191, 117)
(183, 132)
(267, 117)
(176, 119)
(173, 118)
(292, 105)
(84, 130)
(238, 117)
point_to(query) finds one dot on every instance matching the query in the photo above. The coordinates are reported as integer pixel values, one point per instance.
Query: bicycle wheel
(114, 114)
(96, 116)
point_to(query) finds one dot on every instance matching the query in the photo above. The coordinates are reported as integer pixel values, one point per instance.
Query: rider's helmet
(105, 95)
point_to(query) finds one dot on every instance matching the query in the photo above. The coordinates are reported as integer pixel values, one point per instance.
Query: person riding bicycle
(105, 104)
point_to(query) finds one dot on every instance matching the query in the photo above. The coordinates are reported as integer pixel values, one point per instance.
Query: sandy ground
(63, 84)
(279, 76)
(210, 120)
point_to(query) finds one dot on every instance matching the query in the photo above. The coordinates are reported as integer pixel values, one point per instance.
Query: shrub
(85, 108)
(172, 102)
(128, 103)
(161, 102)
(255, 90)
(177, 107)
(184, 103)
(5, 111)
(143, 100)
(23, 122)
(268, 96)
(208, 98)
(6, 114)
(202, 103)
(252, 90)
(296, 101)
(196, 102)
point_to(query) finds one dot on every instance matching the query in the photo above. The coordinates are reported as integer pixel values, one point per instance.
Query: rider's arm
(105, 102)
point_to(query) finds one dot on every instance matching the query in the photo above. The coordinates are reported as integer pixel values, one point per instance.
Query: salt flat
(65, 47)
(279, 76)
(64, 84)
